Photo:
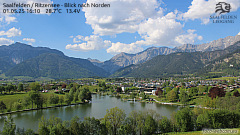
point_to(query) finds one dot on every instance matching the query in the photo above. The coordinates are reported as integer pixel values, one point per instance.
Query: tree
(18, 105)
(61, 100)
(193, 91)
(64, 86)
(114, 118)
(26, 101)
(183, 84)
(2, 89)
(2, 106)
(76, 126)
(208, 102)
(9, 88)
(75, 96)
(159, 92)
(184, 120)
(223, 119)
(202, 121)
(45, 99)
(164, 125)
(231, 81)
(133, 95)
(215, 91)
(126, 128)
(34, 97)
(172, 96)
(71, 93)
(53, 99)
(9, 126)
(119, 90)
(34, 86)
(84, 94)
(168, 89)
(150, 126)
(164, 84)
(130, 123)
(236, 94)
(22, 131)
(20, 87)
(141, 116)
(67, 99)
(47, 87)
(184, 97)
(143, 95)
(43, 126)
(39, 100)
(202, 89)
(92, 126)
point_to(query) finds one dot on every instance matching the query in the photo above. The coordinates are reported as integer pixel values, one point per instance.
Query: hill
(226, 65)
(19, 52)
(178, 64)
(56, 66)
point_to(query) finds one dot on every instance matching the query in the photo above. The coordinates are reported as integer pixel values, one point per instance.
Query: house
(154, 92)
(124, 87)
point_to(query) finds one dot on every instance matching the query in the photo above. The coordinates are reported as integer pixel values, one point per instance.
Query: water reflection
(96, 109)
(143, 104)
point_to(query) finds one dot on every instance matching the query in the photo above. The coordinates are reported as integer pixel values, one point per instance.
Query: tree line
(36, 99)
(147, 122)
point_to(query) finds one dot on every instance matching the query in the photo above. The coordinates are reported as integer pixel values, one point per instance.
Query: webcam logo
(222, 7)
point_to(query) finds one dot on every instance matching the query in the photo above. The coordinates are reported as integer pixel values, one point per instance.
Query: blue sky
(127, 26)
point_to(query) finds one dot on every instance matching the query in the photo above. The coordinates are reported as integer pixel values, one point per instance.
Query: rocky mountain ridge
(124, 59)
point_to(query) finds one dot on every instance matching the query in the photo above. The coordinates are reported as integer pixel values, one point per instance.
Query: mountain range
(24, 60)
(16, 53)
(182, 63)
(124, 59)
(21, 59)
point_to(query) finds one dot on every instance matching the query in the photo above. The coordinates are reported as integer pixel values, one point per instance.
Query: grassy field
(10, 99)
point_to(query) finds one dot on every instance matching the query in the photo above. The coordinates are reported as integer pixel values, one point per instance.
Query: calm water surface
(96, 109)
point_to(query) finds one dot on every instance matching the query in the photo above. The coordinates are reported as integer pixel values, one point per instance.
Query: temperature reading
(49, 11)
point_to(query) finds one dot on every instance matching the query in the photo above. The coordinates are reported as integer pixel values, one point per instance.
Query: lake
(95, 109)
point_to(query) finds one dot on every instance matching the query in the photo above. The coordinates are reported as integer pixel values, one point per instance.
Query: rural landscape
(119, 67)
(205, 85)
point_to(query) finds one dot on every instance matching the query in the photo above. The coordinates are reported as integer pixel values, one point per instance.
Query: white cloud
(200, 38)
(162, 31)
(10, 19)
(188, 38)
(202, 9)
(122, 16)
(121, 47)
(29, 40)
(78, 39)
(6, 19)
(88, 43)
(132, 16)
(4, 41)
(159, 31)
(11, 32)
